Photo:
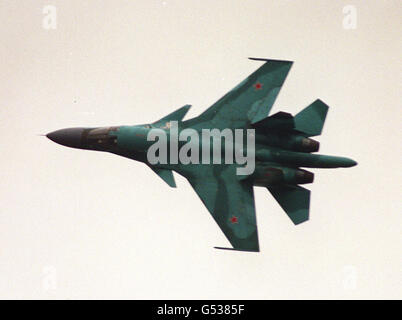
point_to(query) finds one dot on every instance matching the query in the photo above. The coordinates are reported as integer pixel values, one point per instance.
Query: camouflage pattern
(282, 147)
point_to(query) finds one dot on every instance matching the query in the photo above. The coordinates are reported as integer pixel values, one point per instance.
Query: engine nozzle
(309, 145)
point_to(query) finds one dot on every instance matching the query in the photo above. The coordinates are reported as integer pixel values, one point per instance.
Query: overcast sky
(80, 224)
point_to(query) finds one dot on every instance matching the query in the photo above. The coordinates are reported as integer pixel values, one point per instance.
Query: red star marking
(234, 219)
(258, 86)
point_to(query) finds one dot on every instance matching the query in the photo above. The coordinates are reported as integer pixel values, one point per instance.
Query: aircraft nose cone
(70, 137)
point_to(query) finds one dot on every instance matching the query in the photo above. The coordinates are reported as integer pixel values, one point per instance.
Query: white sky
(76, 224)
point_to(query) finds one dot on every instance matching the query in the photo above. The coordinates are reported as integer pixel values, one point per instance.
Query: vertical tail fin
(311, 119)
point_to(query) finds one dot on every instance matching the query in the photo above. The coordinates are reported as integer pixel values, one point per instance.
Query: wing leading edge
(252, 99)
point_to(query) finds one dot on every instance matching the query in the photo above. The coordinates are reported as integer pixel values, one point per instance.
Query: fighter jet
(283, 148)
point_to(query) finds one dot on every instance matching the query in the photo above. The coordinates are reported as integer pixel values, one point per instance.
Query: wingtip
(270, 60)
(257, 59)
(234, 249)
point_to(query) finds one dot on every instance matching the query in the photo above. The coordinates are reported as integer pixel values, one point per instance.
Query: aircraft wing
(251, 100)
(230, 202)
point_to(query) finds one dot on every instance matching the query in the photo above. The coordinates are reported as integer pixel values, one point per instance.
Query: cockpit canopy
(103, 137)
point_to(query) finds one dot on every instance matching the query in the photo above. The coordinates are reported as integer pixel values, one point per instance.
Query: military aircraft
(282, 148)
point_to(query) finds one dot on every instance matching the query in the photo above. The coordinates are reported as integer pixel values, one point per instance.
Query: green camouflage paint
(282, 148)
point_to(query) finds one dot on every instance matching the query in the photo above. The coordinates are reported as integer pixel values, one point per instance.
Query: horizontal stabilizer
(311, 119)
(295, 200)
(177, 115)
(166, 175)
